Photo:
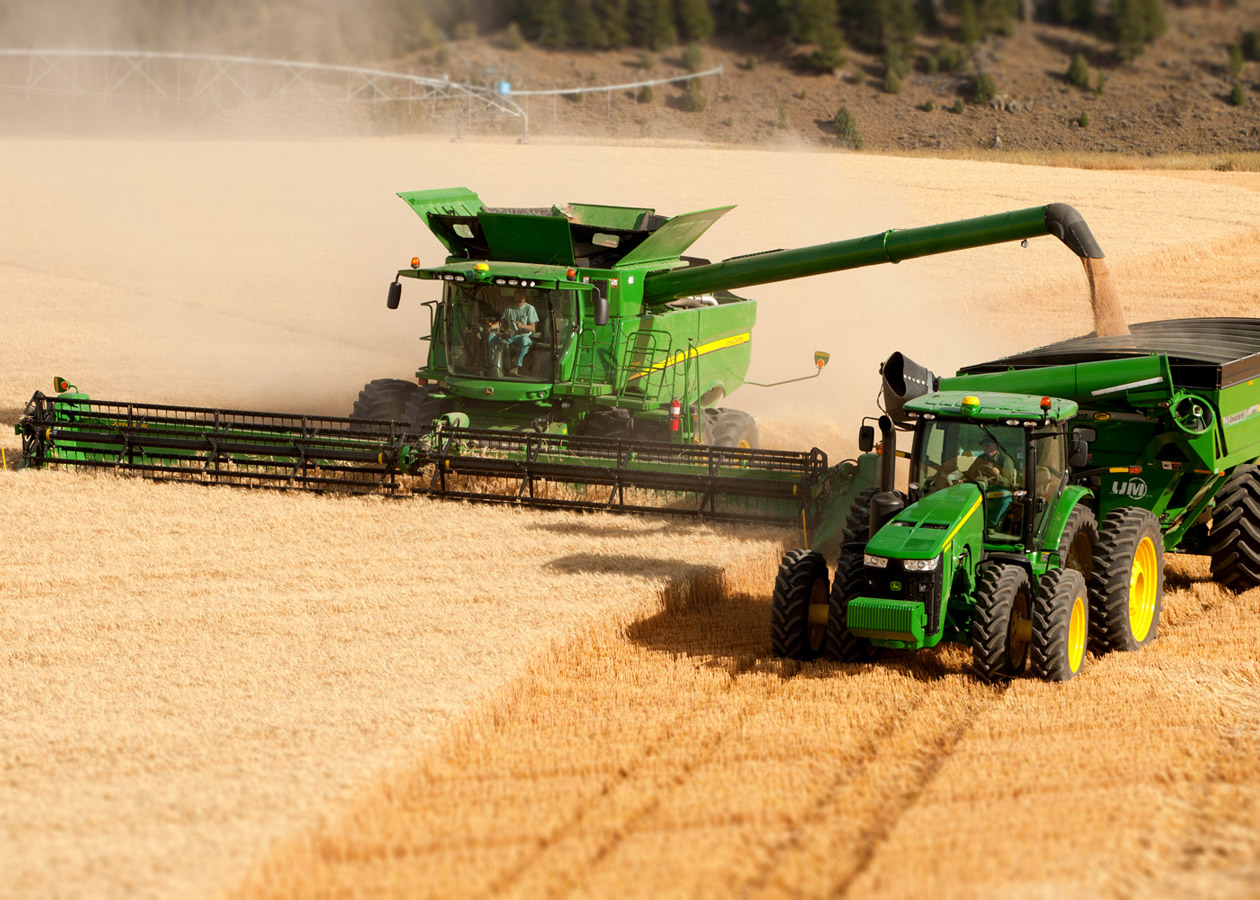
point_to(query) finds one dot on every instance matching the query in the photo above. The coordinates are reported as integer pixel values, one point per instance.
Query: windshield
(503, 332)
(988, 455)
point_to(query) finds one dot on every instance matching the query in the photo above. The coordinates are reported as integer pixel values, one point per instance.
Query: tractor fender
(1068, 501)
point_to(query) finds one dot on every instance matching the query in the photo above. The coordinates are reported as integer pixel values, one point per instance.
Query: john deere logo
(1134, 488)
(895, 585)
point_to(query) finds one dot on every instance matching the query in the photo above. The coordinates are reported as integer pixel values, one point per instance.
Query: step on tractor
(577, 357)
(1043, 491)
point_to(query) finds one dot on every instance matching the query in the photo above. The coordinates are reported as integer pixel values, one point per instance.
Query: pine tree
(968, 24)
(545, 22)
(584, 27)
(1078, 71)
(652, 24)
(695, 22)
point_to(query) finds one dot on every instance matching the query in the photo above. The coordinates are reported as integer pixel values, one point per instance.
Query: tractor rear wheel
(1001, 625)
(384, 398)
(730, 428)
(1060, 625)
(1079, 540)
(798, 611)
(1128, 579)
(849, 581)
(1234, 540)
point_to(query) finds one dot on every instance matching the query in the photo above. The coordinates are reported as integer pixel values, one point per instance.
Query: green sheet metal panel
(671, 239)
(530, 239)
(458, 201)
(626, 218)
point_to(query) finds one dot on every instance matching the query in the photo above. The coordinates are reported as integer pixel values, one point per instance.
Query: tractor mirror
(1081, 438)
(866, 438)
(395, 294)
(601, 308)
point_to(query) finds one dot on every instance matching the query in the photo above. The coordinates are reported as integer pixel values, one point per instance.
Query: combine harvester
(1044, 490)
(604, 396)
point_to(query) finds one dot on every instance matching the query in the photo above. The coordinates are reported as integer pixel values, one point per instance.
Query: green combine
(1044, 489)
(577, 358)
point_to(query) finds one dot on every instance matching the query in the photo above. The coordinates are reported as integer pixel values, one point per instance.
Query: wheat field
(212, 691)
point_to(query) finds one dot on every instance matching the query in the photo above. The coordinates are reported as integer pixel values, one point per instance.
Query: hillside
(1174, 98)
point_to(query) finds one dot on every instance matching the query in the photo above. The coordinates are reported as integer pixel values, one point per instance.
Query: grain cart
(1044, 490)
(607, 403)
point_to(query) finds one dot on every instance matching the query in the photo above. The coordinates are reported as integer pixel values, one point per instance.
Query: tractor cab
(1012, 447)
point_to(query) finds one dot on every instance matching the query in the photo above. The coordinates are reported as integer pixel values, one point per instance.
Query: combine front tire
(1235, 535)
(1060, 625)
(730, 428)
(1001, 625)
(423, 408)
(385, 398)
(1128, 579)
(798, 612)
(841, 643)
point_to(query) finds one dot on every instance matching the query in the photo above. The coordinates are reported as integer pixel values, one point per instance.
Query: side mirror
(821, 358)
(601, 308)
(395, 294)
(1079, 456)
(866, 438)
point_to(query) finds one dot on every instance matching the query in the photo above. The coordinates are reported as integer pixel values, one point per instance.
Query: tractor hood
(921, 530)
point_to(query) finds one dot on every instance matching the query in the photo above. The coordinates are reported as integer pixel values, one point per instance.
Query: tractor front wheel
(1060, 625)
(842, 644)
(798, 610)
(1235, 535)
(1128, 579)
(1001, 625)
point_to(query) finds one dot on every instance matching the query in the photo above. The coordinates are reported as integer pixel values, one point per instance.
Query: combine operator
(517, 326)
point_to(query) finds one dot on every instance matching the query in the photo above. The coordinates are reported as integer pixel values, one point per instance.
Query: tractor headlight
(921, 565)
(875, 562)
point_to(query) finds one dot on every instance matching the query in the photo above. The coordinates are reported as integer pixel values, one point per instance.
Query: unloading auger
(576, 359)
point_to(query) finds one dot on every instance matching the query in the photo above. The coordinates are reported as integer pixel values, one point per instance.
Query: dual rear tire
(1017, 631)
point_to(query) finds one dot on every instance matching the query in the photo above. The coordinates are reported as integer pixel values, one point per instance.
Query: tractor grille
(895, 583)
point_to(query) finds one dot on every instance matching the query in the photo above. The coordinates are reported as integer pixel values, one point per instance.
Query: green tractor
(1044, 490)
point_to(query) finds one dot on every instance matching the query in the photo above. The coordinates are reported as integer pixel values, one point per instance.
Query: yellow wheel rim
(817, 614)
(744, 445)
(1143, 585)
(1077, 628)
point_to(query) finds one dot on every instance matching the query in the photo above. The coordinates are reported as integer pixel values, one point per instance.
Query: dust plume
(1104, 299)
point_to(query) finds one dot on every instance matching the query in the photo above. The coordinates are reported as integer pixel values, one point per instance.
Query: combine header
(1044, 491)
(576, 359)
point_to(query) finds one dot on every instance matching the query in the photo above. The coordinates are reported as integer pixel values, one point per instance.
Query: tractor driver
(992, 468)
(518, 324)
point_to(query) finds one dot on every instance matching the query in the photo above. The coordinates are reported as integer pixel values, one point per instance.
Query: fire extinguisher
(675, 414)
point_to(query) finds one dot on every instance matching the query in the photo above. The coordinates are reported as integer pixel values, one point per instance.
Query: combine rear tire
(799, 607)
(841, 644)
(385, 398)
(1128, 579)
(1235, 535)
(423, 408)
(1060, 625)
(1001, 625)
(730, 428)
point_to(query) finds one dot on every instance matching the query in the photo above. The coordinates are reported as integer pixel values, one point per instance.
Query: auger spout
(893, 246)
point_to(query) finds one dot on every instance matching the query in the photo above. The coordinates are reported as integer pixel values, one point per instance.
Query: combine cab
(1044, 490)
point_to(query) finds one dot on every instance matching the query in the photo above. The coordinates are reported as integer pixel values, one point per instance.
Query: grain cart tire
(730, 428)
(1128, 580)
(1001, 626)
(384, 398)
(1079, 542)
(423, 408)
(848, 583)
(1234, 540)
(1060, 625)
(800, 600)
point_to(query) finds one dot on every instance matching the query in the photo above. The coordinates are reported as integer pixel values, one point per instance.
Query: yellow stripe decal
(720, 344)
(963, 522)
